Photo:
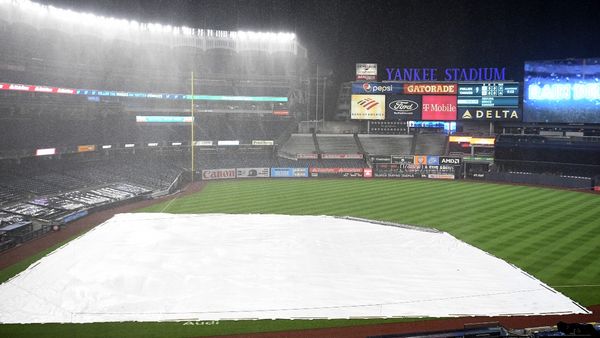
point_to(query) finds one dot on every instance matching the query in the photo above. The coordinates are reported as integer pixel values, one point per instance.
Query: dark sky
(408, 33)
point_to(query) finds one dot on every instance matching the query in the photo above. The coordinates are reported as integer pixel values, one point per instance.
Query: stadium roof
(50, 17)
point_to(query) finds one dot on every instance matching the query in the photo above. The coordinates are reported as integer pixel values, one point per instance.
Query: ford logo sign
(403, 106)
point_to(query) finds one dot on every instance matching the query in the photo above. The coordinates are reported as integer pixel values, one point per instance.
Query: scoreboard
(496, 101)
(428, 101)
(489, 89)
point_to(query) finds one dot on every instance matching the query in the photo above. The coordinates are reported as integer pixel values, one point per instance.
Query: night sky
(419, 33)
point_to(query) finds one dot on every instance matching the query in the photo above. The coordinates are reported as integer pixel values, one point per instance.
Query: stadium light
(113, 25)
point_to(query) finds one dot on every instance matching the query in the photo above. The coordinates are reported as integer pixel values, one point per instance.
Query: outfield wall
(541, 179)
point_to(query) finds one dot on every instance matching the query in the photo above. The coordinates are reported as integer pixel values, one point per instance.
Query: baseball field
(551, 234)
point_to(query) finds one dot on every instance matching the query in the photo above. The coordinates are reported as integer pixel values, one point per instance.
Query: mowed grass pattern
(552, 234)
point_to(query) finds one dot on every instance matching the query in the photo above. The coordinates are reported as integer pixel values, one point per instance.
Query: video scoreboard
(428, 101)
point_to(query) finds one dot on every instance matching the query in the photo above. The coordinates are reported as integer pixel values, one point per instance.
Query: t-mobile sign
(439, 108)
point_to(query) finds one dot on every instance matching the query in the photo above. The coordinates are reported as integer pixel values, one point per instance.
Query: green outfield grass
(552, 234)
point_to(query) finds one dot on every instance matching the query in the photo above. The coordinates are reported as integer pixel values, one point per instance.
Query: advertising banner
(403, 159)
(289, 172)
(253, 172)
(420, 160)
(164, 119)
(403, 107)
(86, 148)
(490, 114)
(441, 176)
(74, 216)
(203, 143)
(490, 141)
(281, 112)
(368, 173)
(92, 92)
(367, 107)
(376, 88)
(439, 108)
(228, 143)
(46, 151)
(450, 161)
(342, 156)
(433, 160)
(380, 159)
(366, 71)
(262, 142)
(307, 156)
(218, 174)
(336, 172)
(430, 88)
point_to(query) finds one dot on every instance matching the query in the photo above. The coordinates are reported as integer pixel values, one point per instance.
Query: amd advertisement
(562, 91)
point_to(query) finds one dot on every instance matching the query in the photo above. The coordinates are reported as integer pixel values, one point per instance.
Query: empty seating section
(29, 185)
(386, 144)
(152, 174)
(430, 144)
(234, 158)
(298, 144)
(61, 181)
(9, 194)
(338, 144)
(57, 202)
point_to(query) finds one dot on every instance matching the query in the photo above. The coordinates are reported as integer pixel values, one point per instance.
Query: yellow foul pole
(192, 145)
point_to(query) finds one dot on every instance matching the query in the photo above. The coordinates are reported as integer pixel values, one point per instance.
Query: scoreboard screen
(495, 101)
(488, 102)
(488, 89)
(562, 91)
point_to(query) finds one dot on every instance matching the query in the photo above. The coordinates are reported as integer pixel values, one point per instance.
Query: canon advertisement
(218, 174)
(439, 108)
(403, 107)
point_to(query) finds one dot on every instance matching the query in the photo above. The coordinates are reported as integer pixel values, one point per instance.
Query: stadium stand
(386, 144)
(431, 144)
(338, 144)
(298, 144)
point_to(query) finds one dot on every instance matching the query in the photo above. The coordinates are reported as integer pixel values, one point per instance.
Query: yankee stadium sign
(446, 74)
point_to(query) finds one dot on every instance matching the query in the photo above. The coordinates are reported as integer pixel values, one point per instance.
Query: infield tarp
(154, 267)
